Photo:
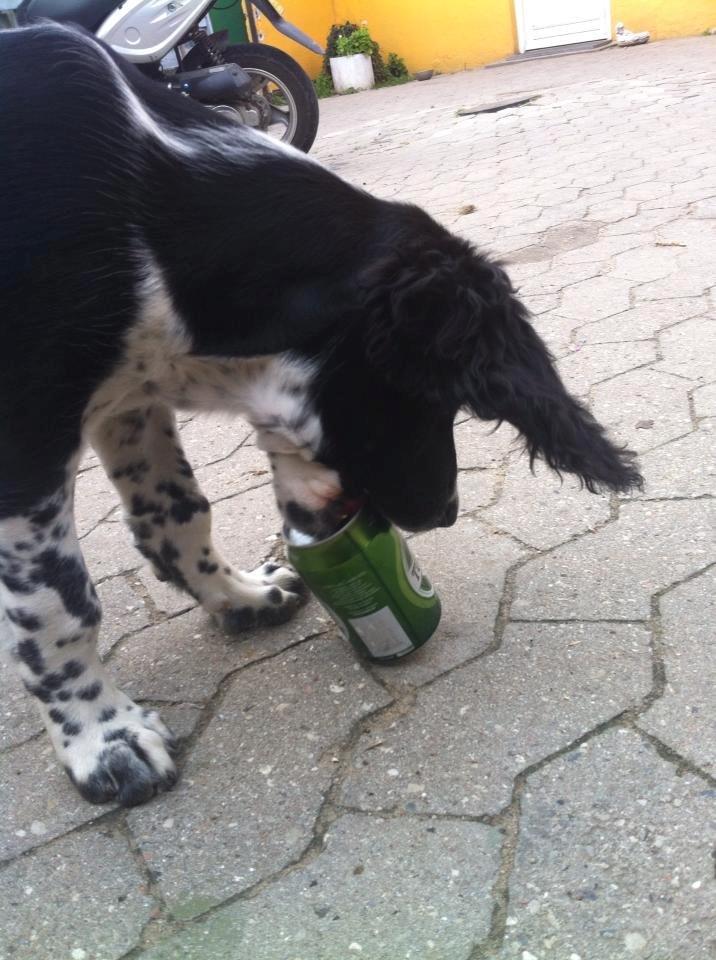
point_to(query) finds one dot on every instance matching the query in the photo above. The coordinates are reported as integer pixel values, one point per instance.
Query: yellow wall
(665, 19)
(430, 34)
(464, 33)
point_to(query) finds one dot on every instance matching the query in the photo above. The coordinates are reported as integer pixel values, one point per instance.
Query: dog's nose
(450, 515)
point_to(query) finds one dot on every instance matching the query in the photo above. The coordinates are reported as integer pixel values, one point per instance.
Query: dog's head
(428, 327)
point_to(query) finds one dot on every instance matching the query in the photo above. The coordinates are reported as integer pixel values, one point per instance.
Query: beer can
(366, 577)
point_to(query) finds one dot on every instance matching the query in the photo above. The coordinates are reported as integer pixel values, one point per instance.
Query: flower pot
(352, 73)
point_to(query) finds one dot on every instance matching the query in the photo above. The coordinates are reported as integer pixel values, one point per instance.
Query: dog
(155, 255)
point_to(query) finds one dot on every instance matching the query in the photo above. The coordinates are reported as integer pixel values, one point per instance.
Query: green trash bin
(230, 18)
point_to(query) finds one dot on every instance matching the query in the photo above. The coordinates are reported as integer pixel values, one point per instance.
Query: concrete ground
(538, 782)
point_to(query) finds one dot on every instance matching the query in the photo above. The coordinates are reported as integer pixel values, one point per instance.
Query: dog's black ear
(444, 322)
(423, 305)
(512, 377)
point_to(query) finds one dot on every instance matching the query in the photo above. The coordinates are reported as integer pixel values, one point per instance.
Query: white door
(552, 23)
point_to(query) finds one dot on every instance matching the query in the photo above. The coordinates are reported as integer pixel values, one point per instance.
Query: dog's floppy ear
(512, 377)
(423, 310)
(444, 322)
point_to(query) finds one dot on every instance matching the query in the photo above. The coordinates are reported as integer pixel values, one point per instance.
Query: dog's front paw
(267, 596)
(124, 753)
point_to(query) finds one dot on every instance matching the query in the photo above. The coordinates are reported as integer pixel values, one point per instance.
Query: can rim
(325, 540)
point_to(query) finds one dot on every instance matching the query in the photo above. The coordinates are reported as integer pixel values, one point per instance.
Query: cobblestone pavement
(538, 783)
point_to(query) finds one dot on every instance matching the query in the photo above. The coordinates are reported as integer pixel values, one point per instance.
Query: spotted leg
(50, 615)
(170, 519)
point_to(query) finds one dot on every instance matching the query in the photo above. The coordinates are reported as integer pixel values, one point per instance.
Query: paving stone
(471, 732)
(705, 400)
(642, 222)
(683, 468)
(479, 444)
(380, 888)
(19, 717)
(476, 488)
(685, 283)
(596, 298)
(538, 305)
(640, 323)
(584, 366)
(166, 599)
(95, 498)
(645, 263)
(37, 799)
(689, 349)
(467, 565)
(79, 897)
(561, 276)
(682, 717)
(614, 859)
(543, 511)
(556, 331)
(255, 781)
(186, 658)
(247, 528)
(123, 612)
(211, 437)
(244, 470)
(643, 408)
(108, 550)
(611, 574)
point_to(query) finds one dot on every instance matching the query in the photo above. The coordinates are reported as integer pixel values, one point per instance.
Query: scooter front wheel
(283, 102)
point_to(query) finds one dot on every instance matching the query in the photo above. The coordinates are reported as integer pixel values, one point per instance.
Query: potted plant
(352, 68)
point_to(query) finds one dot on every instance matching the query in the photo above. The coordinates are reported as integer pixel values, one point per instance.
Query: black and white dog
(153, 256)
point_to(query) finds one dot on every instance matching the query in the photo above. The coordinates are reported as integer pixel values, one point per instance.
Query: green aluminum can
(368, 580)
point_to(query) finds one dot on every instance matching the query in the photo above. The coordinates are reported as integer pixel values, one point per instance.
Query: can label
(416, 578)
(367, 578)
(382, 634)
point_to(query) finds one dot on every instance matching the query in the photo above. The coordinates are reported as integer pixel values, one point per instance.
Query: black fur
(110, 180)
(264, 255)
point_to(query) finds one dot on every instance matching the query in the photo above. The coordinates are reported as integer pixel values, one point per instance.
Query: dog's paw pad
(274, 607)
(127, 760)
(282, 576)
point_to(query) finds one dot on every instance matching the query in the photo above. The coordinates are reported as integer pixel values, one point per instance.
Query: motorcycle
(255, 83)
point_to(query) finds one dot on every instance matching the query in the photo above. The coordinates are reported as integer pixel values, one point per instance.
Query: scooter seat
(87, 13)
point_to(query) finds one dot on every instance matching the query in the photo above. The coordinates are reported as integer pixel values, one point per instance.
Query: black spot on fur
(133, 424)
(22, 545)
(299, 516)
(142, 530)
(67, 575)
(65, 743)
(65, 641)
(64, 695)
(111, 735)
(57, 716)
(184, 504)
(205, 567)
(45, 515)
(135, 471)
(90, 692)
(164, 562)
(73, 669)
(269, 568)
(40, 692)
(23, 618)
(107, 714)
(53, 681)
(141, 507)
(71, 729)
(274, 595)
(29, 652)
(206, 551)
(59, 531)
